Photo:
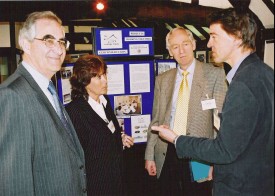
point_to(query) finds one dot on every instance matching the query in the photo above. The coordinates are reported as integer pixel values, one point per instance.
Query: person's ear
(170, 54)
(237, 42)
(194, 44)
(25, 45)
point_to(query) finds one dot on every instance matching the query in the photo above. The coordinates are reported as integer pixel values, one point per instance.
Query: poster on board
(123, 42)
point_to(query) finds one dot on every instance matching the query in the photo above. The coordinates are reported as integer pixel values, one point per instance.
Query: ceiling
(158, 14)
(187, 11)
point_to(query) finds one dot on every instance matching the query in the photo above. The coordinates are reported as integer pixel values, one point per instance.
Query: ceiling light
(100, 6)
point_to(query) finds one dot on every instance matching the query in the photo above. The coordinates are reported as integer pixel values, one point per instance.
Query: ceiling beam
(270, 5)
(182, 12)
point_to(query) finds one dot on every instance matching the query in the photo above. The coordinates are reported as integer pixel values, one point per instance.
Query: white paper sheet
(139, 78)
(115, 75)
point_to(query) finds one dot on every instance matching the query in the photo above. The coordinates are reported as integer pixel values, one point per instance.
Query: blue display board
(123, 42)
(138, 79)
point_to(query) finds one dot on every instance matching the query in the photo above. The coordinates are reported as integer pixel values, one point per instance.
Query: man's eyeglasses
(50, 42)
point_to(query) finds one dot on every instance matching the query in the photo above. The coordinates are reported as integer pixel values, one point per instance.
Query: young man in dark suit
(243, 151)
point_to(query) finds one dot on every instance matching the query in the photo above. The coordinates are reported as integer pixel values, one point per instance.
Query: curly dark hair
(85, 68)
(238, 23)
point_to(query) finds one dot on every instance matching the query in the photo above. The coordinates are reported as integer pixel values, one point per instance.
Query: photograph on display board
(127, 105)
(201, 56)
(165, 66)
(121, 123)
(66, 73)
(139, 127)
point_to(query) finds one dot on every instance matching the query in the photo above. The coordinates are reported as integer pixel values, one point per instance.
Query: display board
(123, 42)
(130, 89)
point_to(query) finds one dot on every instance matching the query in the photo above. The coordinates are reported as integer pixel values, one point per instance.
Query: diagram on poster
(111, 39)
(140, 126)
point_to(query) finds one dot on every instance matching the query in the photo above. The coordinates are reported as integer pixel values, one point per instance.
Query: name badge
(111, 126)
(208, 104)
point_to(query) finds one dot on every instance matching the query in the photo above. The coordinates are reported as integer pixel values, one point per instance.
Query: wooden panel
(5, 34)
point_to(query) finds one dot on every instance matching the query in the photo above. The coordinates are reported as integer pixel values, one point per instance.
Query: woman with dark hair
(97, 127)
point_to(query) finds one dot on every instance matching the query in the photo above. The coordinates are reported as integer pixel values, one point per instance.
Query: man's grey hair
(188, 32)
(28, 30)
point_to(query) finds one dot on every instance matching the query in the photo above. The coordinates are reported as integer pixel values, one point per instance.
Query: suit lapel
(168, 93)
(48, 107)
(92, 116)
(196, 92)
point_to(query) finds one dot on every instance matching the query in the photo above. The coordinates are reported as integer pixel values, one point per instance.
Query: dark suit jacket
(37, 156)
(102, 148)
(243, 152)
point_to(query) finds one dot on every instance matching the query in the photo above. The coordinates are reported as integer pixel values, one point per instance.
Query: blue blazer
(243, 152)
(37, 156)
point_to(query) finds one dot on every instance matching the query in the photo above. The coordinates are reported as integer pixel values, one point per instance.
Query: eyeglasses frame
(44, 39)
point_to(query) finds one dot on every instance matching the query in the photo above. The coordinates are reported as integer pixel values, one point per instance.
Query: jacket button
(164, 154)
(81, 167)
(84, 190)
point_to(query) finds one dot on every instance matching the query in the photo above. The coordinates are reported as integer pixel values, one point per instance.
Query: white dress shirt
(41, 80)
(98, 107)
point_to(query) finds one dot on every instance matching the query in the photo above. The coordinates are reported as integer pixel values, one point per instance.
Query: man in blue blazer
(39, 155)
(243, 151)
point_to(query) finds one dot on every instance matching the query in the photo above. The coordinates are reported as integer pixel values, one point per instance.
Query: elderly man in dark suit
(243, 151)
(40, 153)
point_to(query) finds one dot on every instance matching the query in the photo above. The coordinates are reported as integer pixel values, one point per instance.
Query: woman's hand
(127, 140)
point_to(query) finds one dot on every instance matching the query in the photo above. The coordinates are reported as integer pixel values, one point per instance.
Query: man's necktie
(180, 122)
(59, 109)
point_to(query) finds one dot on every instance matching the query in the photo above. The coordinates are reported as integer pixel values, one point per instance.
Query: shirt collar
(234, 69)
(190, 69)
(41, 80)
(102, 101)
